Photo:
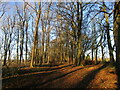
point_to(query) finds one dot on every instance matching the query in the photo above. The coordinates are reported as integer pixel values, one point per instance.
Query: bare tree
(35, 44)
(2, 9)
(108, 36)
(8, 30)
(117, 37)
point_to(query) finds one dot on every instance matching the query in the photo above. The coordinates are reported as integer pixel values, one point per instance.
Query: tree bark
(26, 46)
(117, 38)
(96, 53)
(35, 43)
(43, 42)
(92, 53)
(79, 27)
(102, 51)
(21, 40)
(108, 38)
(117, 31)
(17, 46)
(5, 50)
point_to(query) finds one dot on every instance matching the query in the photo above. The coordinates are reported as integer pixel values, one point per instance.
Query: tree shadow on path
(88, 78)
(52, 79)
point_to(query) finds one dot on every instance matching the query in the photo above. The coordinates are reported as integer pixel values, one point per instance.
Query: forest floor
(63, 76)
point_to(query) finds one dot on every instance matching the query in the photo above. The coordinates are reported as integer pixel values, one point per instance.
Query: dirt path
(35, 70)
(78, 79)
(66, 77)
(18, 81)
(106, 78)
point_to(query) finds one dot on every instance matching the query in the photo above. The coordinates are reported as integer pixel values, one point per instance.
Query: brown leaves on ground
(91, 76)
(106, 78)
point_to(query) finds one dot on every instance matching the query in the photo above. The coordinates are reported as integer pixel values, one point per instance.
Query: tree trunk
(17, 46)
(102, 51)
(96, 59)
(72, 53)
(117, 38)
(117, 31)
(9, 48)
(108, 39)
(43, 42)
(79, 18)
(5, 50)
(26, 41)
(47, 49)
(5, 58)
(9, 56)
(92, 53)
(61, 53)
(32, 59)
(35, 43)
(21, 41)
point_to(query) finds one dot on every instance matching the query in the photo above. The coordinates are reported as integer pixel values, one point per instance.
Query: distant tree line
(51, 32)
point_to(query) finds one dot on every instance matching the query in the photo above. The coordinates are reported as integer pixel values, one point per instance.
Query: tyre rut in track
(24, 80)
(74, 80)
(49, 70)
(55, 76)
